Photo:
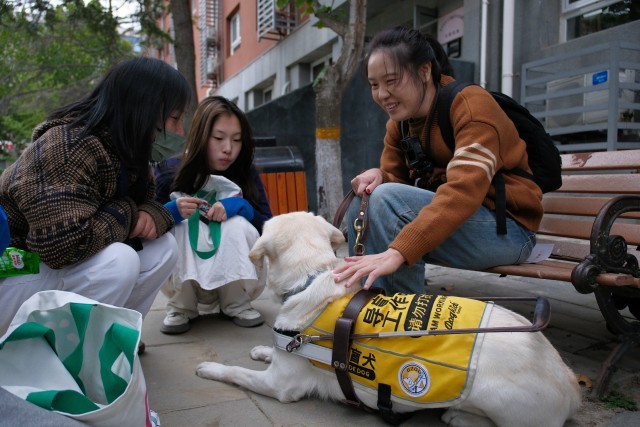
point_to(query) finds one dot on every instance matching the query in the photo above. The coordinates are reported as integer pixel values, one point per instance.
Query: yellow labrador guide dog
(503, 379)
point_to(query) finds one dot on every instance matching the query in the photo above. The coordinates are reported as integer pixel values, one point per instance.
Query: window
(582, 17)
(260, 94)
(320, 66)
(267, 94)
(316, 70)
(234, 31)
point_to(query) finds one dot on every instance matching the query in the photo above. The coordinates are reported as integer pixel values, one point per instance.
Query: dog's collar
(299, 289)
(286, 332)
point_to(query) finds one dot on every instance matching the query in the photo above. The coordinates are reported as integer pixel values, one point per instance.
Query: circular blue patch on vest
(414, 379)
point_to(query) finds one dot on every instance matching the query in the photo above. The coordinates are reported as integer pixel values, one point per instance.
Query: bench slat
(555, 270)
(565, 227)
(575, 250)
(579, 206)
(607, 160)
(604, 183)
(567, 249)
(581, 229)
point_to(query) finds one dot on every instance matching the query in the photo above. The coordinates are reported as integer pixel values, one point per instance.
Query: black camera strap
(419, 158)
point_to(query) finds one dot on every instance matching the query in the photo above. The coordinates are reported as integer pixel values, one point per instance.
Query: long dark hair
(408, 49)
(194, 168)
(131, 103)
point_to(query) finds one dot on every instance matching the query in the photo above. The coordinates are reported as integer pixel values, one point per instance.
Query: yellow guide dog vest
(425, 371)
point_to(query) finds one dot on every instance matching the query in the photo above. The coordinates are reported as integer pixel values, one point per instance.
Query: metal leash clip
(358, 225)
(297, 341)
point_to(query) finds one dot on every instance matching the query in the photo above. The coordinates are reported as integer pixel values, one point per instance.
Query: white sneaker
(175, 323)
(248, 318)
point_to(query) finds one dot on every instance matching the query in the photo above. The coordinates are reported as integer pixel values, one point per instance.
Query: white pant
(117, 275)
(233, 298)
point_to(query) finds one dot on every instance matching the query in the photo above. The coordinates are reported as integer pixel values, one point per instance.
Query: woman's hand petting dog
(370, 266)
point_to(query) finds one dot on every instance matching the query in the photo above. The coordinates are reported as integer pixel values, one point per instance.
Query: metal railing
(588, 99)
(209, 25)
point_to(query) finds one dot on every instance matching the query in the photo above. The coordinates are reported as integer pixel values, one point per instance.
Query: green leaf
(48, 62)
(617, 399)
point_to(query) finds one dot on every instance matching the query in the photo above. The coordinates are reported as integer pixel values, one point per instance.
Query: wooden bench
(593, 221)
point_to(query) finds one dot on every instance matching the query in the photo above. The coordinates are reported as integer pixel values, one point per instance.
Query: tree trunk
(185, 51)
(327, 152)
(329, 93)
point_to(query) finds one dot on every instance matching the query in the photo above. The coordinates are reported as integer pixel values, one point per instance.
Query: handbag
(78, 357)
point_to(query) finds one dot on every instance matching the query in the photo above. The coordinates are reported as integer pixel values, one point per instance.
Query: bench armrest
(609, 252)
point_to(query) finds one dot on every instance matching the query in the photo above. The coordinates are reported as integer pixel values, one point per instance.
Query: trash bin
(282, 173)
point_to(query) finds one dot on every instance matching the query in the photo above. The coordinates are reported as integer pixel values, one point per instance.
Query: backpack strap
(501, 203)
(445, 100)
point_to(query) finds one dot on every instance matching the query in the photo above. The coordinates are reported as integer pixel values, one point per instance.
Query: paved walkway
(183, 399)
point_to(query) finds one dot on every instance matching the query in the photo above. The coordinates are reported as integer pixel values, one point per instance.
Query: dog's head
(295, 244)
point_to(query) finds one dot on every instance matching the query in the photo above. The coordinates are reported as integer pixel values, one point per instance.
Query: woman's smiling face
(397, 92)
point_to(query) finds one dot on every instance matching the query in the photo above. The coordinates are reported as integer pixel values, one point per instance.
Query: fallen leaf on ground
(584, 380)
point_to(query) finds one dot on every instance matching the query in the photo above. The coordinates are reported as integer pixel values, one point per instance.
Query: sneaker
(175, 323)
(248, 318)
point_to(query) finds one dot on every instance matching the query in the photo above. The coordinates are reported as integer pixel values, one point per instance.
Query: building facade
(252, 52)
(575, 64)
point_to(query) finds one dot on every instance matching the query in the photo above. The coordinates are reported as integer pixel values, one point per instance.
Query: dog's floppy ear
(335, 236)
(258, 252)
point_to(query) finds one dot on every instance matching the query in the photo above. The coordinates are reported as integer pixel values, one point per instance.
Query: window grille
(274, 23)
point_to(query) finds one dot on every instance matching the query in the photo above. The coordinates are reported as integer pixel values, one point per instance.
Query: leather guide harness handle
(540, 320)
(342, 343)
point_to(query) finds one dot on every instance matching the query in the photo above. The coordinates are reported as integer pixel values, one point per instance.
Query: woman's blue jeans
(474, 246)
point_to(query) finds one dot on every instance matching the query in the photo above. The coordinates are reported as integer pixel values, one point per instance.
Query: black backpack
(544, 157)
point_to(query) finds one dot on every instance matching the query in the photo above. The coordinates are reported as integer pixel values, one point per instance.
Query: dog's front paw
(210, 370)
(456, 418)
(262, 352)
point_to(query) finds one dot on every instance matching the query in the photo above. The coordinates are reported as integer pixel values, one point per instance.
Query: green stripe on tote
(32, 330)
(73, 362)
(119, 339)
(68, 401)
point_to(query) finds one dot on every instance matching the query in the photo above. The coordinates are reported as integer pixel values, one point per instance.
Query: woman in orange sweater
(439, 208)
